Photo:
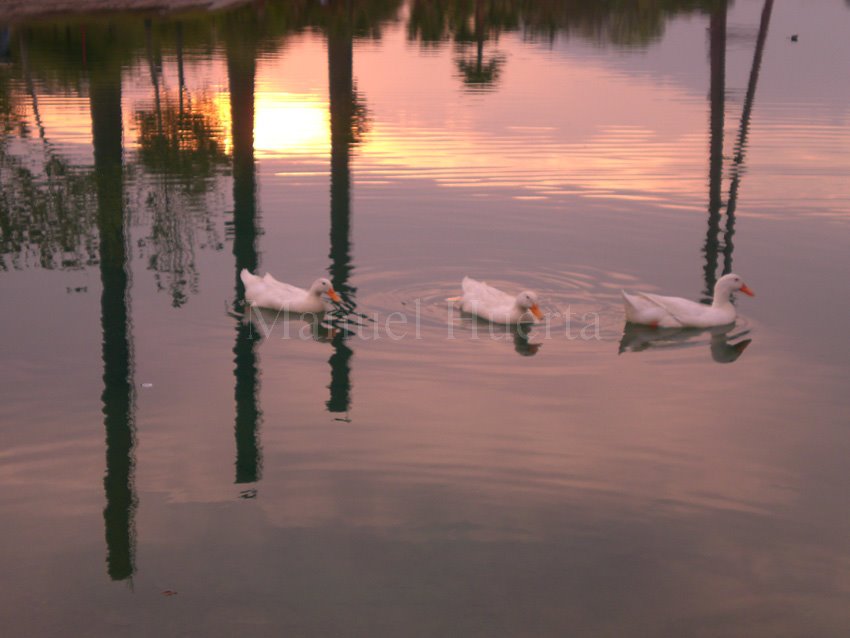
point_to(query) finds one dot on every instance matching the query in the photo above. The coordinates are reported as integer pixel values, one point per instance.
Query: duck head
(527, 302)
(728, 284)
(323, 286)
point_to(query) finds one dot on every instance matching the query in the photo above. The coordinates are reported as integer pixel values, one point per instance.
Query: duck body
(497, 306)
(675, 312)
(268, 292)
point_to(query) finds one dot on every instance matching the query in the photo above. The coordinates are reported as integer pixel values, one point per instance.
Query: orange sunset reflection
(284, 123)
(291, 123)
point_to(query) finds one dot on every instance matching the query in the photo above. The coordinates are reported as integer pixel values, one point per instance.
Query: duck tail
(629, 305)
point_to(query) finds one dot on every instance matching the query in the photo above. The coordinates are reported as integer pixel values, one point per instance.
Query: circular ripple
(571, 301)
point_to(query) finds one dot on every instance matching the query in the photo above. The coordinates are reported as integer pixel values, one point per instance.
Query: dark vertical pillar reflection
(717, 94)
(340, 386)
(479, 37)
(181, 78)
(342, 112)
(241, 69)
(342, 109)
(117, 394)
(741, 142)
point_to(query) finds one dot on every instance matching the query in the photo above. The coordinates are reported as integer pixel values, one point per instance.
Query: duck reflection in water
(725, 344)
(268, 324)
(522, 345)
(519, 334)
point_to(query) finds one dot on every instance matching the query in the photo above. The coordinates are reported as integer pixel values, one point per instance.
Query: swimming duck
(268, 292)
(497, 306)
(674, 312)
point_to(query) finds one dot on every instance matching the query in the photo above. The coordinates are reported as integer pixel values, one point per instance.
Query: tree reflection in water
(182, 151)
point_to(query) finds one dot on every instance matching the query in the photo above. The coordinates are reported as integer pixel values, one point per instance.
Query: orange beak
(334, 297)
(746, 290)
(535, 310)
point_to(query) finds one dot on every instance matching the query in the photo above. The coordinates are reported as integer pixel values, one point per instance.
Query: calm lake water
(171, 467)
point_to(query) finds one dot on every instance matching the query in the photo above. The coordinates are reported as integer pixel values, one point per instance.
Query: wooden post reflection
(717, 96)
(342, 112)
(717, 39)
(241, 71)
(117, 397)
(741, 142)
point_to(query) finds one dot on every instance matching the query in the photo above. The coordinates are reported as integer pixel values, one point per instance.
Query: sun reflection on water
(291, 124)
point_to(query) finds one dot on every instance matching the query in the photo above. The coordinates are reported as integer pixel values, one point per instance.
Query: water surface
(425, 476)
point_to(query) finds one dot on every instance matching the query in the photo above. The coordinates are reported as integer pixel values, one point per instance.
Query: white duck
(674, 312)
(268, 292)
(496, 306)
